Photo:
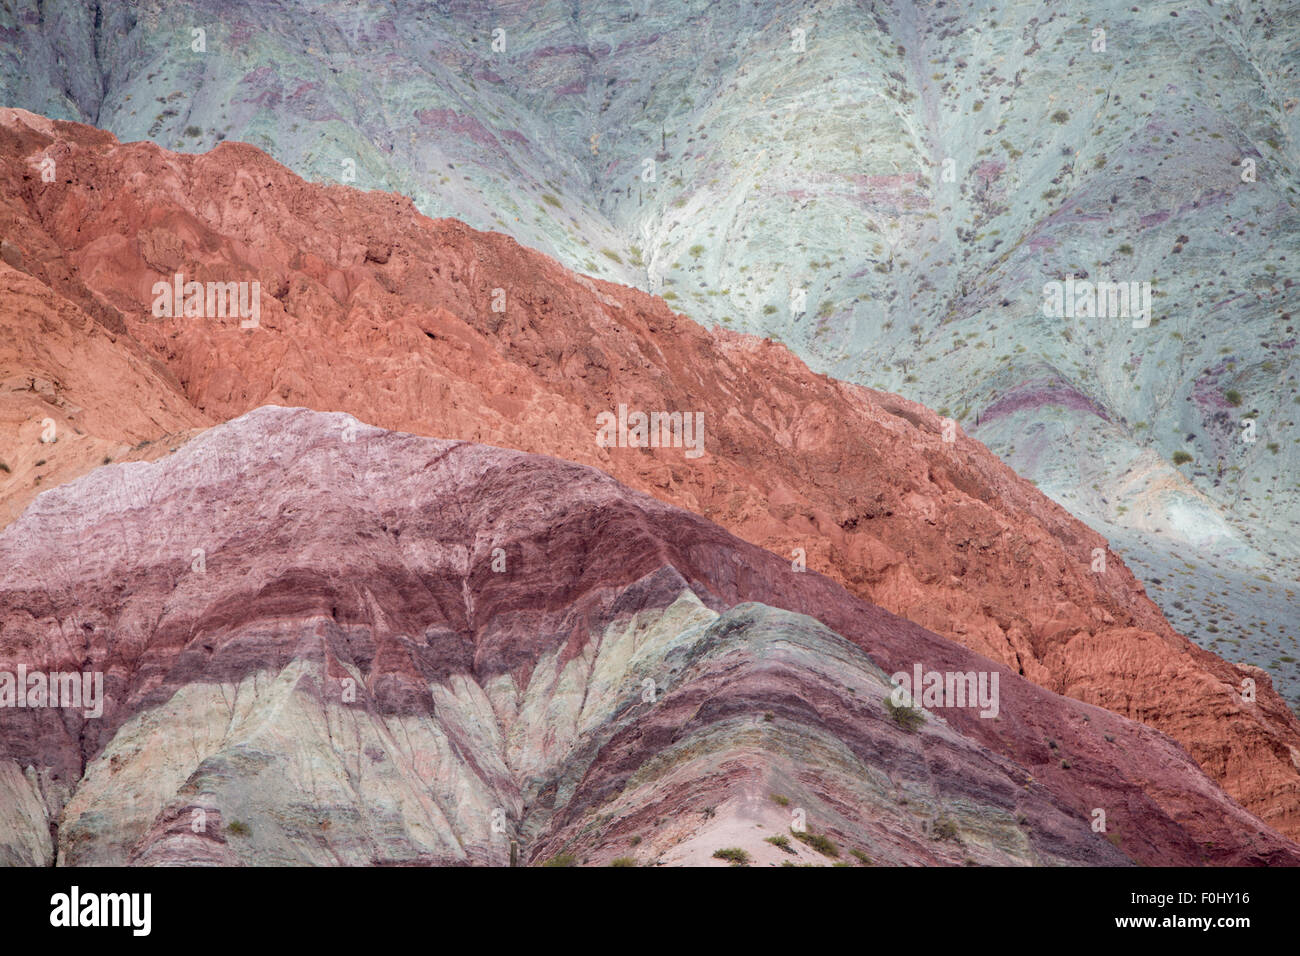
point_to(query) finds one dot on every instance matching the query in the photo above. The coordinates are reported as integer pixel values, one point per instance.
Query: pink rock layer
(413, 563)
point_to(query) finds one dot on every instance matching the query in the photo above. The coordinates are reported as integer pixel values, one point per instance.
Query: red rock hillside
(370, 308)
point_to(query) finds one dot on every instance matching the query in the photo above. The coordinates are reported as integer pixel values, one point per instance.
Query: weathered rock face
(326, 643)
(370, 308)
(916, 170)
(75, 388)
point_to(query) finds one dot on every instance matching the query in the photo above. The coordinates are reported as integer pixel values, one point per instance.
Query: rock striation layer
(431, 327)
(325, 643)
(887, 187)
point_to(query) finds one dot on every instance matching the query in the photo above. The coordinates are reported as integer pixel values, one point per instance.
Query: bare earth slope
(408, 650)
(75, 388)
(370, 308)
(886, 187)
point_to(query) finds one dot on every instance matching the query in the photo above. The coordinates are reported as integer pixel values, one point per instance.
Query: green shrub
(562, 859)
(819, 842)
(734, 854)
(782, 842)
(622, 861)
(945, 829)
(236, 828)
(1181, 457)
(909, 718)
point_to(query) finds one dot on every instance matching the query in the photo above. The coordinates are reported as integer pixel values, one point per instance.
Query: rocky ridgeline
(369, 307)
(326, 643)
(885, 189)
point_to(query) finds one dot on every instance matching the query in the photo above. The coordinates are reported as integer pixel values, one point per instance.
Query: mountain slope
(373, 309)
(354, 673)
(74, 393)
(887, 187)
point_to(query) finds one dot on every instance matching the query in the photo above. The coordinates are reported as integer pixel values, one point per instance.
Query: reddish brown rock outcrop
(74, 392)
(370, 308)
